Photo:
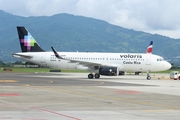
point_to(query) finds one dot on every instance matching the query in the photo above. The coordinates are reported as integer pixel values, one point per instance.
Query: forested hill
(68, 32)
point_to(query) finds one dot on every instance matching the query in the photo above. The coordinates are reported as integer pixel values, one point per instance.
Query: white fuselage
(123, 61)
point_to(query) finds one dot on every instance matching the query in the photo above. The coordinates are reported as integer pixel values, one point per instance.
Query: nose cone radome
(167, 66)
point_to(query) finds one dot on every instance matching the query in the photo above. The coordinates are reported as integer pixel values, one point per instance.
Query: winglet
(56, 54)
(150, 47)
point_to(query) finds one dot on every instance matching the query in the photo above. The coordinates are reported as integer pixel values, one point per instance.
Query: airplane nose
(168, 65)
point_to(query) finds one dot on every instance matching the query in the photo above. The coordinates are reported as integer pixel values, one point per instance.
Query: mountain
(68, 32)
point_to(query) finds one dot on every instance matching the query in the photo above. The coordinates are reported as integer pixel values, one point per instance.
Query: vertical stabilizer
(150, 48)
(27, 42)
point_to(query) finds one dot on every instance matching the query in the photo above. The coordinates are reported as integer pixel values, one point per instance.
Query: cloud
(155, 16)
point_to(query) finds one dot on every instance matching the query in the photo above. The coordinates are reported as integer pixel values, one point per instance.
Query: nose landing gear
(148, 75)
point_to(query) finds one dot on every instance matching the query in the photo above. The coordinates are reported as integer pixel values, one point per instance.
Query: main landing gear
(148, 76)
(91, 76)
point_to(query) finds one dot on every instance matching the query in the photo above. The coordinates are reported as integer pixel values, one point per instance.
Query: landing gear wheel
(148, 77)
(90, 76)
(97, 76)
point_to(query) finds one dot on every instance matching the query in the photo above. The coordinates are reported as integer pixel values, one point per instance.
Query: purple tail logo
(28, 41)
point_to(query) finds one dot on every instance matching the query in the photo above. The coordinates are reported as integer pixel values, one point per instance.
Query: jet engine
(109, 71)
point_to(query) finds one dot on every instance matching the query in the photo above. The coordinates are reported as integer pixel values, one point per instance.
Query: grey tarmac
(72, 96)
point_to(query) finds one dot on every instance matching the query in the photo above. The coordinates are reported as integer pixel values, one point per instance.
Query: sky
(152, 16)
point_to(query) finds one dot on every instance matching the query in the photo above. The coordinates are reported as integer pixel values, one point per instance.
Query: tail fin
(150, 48)
(27, 42)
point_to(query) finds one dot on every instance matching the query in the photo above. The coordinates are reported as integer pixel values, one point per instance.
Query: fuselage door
(43, 59)
(148, 59)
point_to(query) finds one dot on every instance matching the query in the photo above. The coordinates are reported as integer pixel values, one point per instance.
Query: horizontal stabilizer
(19, 55)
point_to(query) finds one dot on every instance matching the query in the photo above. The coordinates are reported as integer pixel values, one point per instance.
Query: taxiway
(72, 96)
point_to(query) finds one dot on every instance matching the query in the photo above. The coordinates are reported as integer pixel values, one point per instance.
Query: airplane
(109, 64)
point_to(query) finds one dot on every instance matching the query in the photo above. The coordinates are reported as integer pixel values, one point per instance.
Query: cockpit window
(160, 59)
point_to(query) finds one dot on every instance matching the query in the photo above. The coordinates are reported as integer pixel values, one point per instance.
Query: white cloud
(167, 33)
(155, 16)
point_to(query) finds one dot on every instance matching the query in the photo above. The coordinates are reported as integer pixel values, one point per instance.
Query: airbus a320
(110, 64)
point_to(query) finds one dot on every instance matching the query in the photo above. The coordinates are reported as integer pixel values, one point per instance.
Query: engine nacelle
(109, 71)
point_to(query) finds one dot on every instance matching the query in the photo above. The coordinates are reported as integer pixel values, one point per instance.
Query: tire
(97, 76)
(148, 77)
(90, 76)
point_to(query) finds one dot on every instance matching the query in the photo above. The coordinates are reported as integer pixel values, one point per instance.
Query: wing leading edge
(81, 62)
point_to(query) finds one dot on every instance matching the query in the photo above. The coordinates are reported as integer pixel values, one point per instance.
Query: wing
(81, 62)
